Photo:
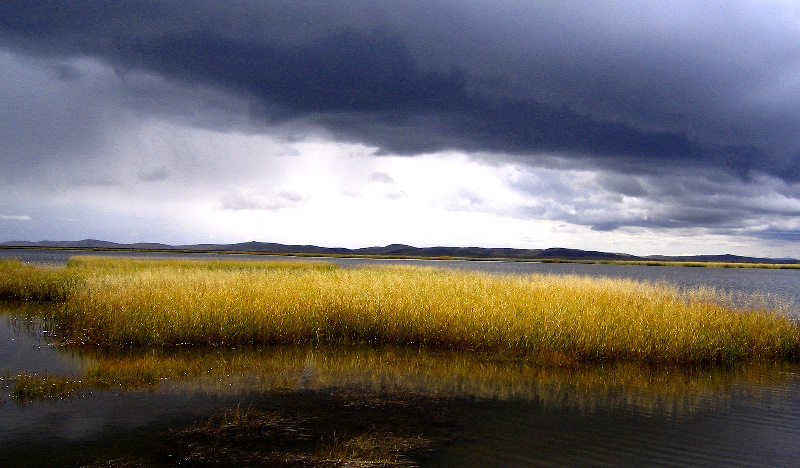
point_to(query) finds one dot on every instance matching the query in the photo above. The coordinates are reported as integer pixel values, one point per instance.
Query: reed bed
(115, 303)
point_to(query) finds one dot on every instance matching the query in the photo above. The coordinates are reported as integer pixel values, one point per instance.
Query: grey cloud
(54, 125)
(467, 200)
(154, 175)
(623, 184)
(66, 72)
(642, 85)
(247, 200)
(766, 208)
(381, 177)
(396, 195)
(779, 235)
(44, 119)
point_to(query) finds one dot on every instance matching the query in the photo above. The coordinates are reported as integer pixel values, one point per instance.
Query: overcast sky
(646, 127)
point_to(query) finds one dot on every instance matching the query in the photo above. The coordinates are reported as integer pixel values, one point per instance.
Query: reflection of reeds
(112, 302)
(384, 370)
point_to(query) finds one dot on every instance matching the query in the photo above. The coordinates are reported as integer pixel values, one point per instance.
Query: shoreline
(643, 262)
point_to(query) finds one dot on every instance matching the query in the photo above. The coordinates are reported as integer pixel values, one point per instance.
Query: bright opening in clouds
(641, 127)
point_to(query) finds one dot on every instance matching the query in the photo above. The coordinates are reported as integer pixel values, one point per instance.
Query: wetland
(346, 397)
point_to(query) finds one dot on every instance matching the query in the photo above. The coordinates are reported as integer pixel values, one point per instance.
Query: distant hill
(392, 250)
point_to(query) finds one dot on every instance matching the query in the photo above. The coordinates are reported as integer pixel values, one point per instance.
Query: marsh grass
(124, 303)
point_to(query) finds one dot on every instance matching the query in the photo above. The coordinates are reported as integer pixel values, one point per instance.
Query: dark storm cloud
(237, 201)
(366, 71)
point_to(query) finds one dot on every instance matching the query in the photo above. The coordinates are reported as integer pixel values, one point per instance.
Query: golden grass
(568, 318)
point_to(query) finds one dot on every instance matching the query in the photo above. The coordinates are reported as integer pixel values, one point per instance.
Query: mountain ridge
(396, 250)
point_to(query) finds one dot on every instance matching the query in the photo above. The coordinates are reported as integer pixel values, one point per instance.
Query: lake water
(475, 412)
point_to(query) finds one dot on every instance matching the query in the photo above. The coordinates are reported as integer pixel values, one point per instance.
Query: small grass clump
(325, 432)
(39, 387)
(315, 431)
(120, 303)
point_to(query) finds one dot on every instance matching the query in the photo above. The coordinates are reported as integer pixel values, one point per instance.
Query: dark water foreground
(297, 406)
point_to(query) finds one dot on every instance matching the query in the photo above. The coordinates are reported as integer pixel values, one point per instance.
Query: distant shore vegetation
(695, 264)
(118, 303)
(753, 263)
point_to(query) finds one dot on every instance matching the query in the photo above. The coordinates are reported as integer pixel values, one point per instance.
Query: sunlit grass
(120, 303)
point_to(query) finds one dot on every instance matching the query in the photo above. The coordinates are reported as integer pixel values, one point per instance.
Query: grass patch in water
(254, 437)
(30, 387)
(317, 431)
(142, 303)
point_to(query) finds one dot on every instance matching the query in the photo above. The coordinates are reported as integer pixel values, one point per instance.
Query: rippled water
(752, 426)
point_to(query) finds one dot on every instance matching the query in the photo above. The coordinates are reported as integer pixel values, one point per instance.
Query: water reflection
(650, 389)
(25, 345)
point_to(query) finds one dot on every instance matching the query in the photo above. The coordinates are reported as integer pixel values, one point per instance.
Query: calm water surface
(499, 413)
